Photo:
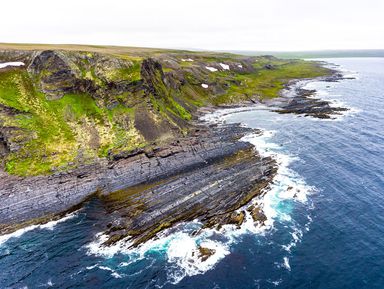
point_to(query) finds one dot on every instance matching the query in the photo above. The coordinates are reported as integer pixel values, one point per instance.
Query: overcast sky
(206, 24)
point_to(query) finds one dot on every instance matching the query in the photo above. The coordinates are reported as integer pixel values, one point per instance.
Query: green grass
(267, 83)
(61, 133)
(131, 73)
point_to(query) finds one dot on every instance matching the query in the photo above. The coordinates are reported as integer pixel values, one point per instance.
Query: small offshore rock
(205, 253)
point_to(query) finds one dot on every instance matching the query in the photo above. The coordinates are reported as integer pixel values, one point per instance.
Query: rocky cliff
(81, 122)
(64, 109)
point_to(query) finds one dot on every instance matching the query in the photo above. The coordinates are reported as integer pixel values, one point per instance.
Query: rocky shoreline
(210, 166)
(207, 174)
(297, 100)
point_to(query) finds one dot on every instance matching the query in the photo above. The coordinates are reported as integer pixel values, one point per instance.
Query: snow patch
(224, 66)
(210, 68)
(6, 64)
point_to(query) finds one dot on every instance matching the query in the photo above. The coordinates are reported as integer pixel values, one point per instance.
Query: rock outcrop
(207, 175)
(302, 101)
(305, 104)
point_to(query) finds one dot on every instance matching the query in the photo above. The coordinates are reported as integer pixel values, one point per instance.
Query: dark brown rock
(257, 214)
(304, 103)
(205, 253)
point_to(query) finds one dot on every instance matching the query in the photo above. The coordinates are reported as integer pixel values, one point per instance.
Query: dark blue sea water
(325, 209)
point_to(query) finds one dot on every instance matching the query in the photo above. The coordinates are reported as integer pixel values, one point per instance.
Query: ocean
(325, 212)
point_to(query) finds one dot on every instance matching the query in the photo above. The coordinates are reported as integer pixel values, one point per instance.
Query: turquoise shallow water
(327, 208)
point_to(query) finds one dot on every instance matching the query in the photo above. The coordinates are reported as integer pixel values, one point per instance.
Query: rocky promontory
(121, 125)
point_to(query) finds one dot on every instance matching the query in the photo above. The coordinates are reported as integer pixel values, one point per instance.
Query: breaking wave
(48, 226)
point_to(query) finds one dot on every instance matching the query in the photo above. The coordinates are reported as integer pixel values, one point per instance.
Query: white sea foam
(183, 252)
(48, 226)
(286, 263)
(287, 185)
(349, 74)
(114, 273)
(180, 248)
(297, 234)
(98, 249)
(220, 116)
(275, 282)
(6, 64)
(333, 102)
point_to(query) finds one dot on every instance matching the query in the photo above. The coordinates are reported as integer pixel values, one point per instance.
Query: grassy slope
(267, 83)
(59, 134)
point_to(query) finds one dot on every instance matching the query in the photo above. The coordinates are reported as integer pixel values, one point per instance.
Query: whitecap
(286, 263)
(275, 282)
(114, 273)
(48, 226)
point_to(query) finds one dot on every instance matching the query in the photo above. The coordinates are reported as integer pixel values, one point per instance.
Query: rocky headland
(122, 125)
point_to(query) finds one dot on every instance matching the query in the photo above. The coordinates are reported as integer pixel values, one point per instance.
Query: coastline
(209, 148)
(144, 172)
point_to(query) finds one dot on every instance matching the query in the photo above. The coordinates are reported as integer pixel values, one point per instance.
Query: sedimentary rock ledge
(210, 193)
(210, 164)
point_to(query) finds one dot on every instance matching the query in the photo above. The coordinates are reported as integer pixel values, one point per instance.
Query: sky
(257, 25)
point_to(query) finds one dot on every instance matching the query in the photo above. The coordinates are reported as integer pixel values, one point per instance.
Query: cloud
(207, 24)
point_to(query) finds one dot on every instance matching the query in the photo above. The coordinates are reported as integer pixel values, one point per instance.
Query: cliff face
(66, 109)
